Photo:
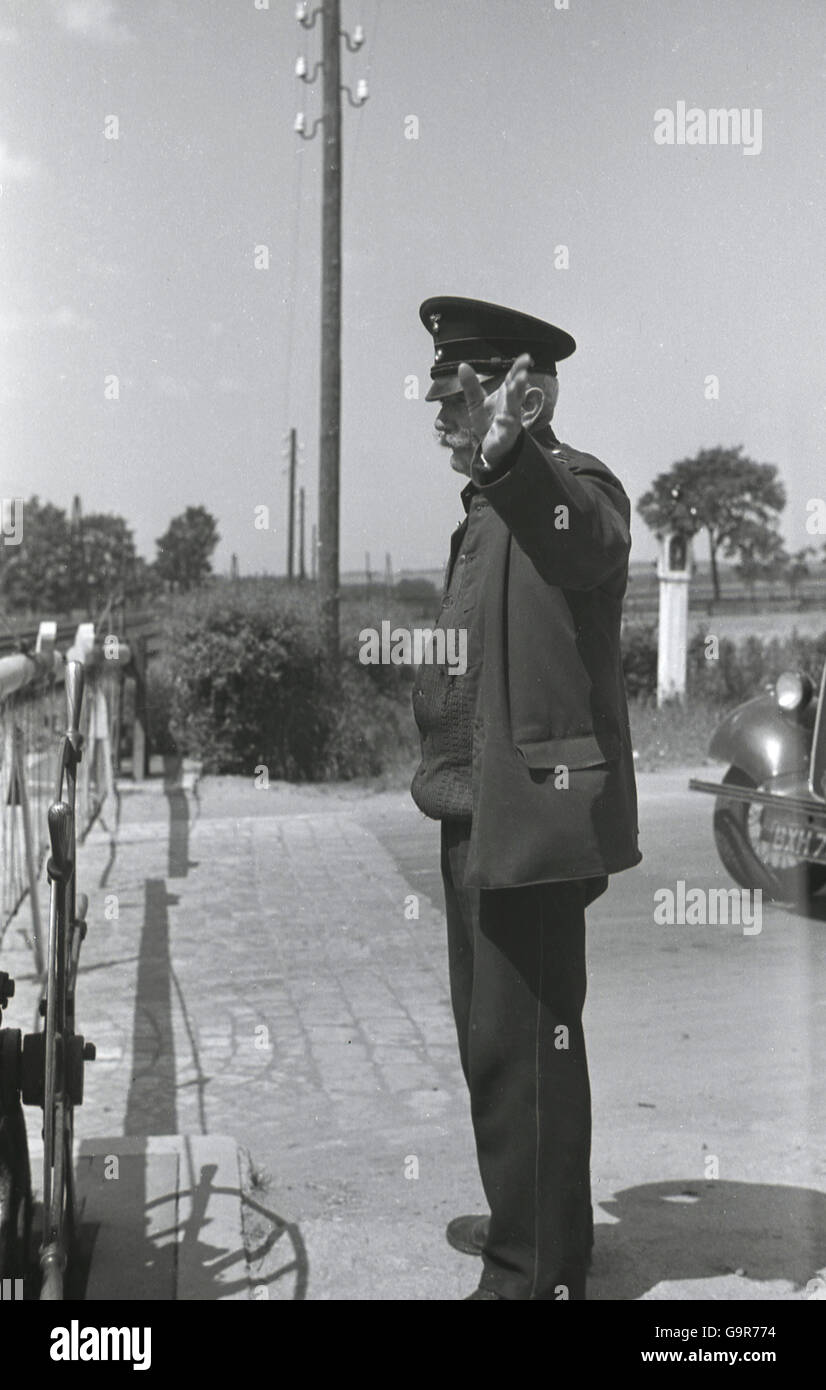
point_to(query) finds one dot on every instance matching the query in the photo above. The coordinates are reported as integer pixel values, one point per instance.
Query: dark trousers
(517, 982)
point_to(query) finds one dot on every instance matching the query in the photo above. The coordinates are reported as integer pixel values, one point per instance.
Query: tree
(750, 571)
(147, 584)
(103, 560)
(798, 567)
(36, 573)
(762, 555)
(730, 494)
(185, 549)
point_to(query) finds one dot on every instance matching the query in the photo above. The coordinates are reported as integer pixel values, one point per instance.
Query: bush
(241, 684)
(373, 730)
(160, 696)
(421, 591)
(742, 669)
(248, 687)
(249, 690)
(639, 661)
(360, 614)
(739, 670)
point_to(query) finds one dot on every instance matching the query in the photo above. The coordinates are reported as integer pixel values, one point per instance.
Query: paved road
(706, 1048)
(265, 977)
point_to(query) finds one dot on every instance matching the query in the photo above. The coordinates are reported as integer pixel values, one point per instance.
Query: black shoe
(468, 1234)
(483, 1293)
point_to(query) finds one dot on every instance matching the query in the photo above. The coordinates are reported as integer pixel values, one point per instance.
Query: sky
(134, 257)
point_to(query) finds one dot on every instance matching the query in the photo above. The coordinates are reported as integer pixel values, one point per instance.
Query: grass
(674, 735)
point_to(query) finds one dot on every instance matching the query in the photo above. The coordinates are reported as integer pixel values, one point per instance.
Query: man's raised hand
(496, 421)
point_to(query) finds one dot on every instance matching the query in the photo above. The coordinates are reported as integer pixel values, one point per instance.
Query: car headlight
(793, 690)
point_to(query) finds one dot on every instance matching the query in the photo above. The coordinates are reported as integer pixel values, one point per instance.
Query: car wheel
(751, 860)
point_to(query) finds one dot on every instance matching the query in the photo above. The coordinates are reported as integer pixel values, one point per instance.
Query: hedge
(241, 683)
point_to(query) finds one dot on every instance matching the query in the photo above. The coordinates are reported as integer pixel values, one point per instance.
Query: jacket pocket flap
(583, 751)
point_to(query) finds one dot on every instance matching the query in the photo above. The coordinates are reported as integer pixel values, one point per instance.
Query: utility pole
(314, 554)
(328, 481)
(302, 573)
(330, 420)
(291, 511)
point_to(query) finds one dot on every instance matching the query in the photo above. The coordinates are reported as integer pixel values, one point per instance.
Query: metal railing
(45, 1068)
(43, 815)
(31, 711)
(28, 714)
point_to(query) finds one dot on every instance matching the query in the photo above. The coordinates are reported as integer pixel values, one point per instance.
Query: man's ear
(532, 404)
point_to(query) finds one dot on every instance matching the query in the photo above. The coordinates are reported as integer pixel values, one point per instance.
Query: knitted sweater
(444, 705)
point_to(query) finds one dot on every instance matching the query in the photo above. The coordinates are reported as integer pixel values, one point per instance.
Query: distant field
(808, 623)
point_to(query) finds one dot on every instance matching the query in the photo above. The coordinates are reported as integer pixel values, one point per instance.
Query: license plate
(803, 841)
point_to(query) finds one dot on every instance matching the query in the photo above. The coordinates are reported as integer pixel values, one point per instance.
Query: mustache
(455, 439)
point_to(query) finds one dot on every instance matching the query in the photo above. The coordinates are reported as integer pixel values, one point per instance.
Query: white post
(674, 573)
(84, 643)
(46, 638)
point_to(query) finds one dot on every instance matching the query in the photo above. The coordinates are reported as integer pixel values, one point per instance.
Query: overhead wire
(294, 257)
(370, 46)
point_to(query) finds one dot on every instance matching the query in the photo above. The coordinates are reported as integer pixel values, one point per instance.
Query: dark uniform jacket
(551, 705)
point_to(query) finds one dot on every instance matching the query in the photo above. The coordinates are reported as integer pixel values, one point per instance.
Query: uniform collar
(467, 495)
(545, 436)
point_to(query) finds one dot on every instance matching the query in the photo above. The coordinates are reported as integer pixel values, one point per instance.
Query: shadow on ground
(660, 1234)
(160, 1230)
(675, 1231)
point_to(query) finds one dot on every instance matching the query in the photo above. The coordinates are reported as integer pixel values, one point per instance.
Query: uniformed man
(527, 762)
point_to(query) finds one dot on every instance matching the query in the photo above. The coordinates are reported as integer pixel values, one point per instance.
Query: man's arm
(570, 516)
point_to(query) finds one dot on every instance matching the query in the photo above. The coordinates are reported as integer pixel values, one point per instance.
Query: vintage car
(770, 812)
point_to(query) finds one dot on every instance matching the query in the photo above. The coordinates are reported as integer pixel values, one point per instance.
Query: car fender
(763, 740)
